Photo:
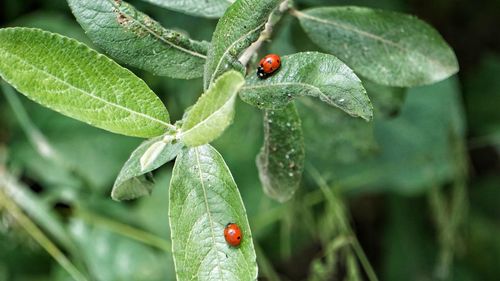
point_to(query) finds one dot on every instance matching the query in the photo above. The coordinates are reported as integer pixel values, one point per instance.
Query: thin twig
(265, 34)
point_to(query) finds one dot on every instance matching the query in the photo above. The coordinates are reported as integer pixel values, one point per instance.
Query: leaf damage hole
(122, 19)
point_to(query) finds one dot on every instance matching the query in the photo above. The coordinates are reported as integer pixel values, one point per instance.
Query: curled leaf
(213, 112)
(281, 158)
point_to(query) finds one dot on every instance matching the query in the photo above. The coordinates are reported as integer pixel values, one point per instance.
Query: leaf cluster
(362, 46)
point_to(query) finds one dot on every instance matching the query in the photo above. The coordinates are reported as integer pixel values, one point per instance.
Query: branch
(265, 35)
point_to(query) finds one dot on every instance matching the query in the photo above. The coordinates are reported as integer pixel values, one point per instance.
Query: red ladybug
(233, 235)
(268, 65)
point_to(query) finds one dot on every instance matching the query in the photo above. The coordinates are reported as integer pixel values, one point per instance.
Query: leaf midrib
(291, 84)
(367, 34)
(317, 89)
(36, 68)
(205, 198)
(229, 49)
(150, 31)
(205, 120)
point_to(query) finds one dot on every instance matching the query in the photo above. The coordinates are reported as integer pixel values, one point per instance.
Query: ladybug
(268, 65)
(233, 235)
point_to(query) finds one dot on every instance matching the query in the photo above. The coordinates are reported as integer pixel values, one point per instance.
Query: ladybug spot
(239, 238)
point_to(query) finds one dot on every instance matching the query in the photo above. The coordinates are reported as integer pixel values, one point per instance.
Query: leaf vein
(158, 36)
(229, 49)
(50, 75)
(207, 207)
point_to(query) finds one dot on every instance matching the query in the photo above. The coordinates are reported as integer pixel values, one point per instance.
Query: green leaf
(203, 200)
(237, 29)
(281, 158)
(213, 112)
(387, 47)
(151, 154)
(205, 8)
(134, 179)
(314, 74)
(137, 40)
(71, 78)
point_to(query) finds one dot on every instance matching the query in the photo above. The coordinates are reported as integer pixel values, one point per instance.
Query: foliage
(134, 38)
(56, 173)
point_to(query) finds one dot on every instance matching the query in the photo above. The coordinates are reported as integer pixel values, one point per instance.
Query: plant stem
(294, 12)
(126, 230)
(39, 236)
(265, 34)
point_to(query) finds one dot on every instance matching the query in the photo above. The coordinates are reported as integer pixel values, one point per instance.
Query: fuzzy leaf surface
(213, 112)
(203, 200)
(133, 181)
(69, 77)
(281, 158)
(387, 47)
(134, 38)
(236, 30)
(310, 74)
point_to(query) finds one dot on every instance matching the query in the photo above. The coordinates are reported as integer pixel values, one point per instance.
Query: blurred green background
(419, 186)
